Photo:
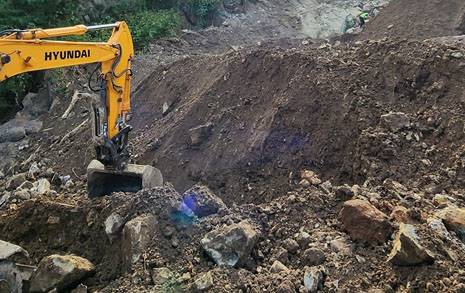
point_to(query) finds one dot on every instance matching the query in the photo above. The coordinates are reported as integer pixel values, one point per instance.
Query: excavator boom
(31, 50)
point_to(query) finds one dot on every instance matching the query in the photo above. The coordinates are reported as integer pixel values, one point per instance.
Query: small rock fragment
(395, 121)
(203, 282)
(278, 267)
(340, 245)
(344, 192)
(291, 245)
(454, 219)
(113, 224)
(313, 279)
(161, 276)
(43, 186)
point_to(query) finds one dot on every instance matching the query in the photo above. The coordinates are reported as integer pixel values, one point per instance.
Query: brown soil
(417, 19)
(246, 123)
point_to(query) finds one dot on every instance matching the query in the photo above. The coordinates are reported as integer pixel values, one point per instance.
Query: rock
(113, 225)
(278, 267)
(200, 200)
(28, 100)
(441, 199)
(161, 276)
(23, 194)
(395, 121)
(203, 282)
(326, 186)
(310, 176)
(43, 186)
(364, 222)
(49, 173)
(69, 184)
(291, 245)
(137, 234)
(343, 192)
(313, 279)
(8, 249)
(313, 257)
(282, 255)
(438, 226)
(454, 219)
(230, 245)
(457, 55)
(15, 181)
(60, 271)
(165, 108)
(303, 239)
(13, 134)
(33, 170)
(407, 249)
(400, 215)
(340, 246)
(304, 183)
(5, 198)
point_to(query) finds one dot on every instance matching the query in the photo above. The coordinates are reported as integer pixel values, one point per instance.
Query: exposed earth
(291, 163)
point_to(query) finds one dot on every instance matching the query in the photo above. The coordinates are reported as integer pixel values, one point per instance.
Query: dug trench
(246, 124)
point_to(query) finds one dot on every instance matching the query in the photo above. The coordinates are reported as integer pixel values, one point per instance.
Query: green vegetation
(147, 19)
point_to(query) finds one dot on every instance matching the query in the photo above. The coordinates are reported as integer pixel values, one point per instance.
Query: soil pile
(378, 121)
(417, 20)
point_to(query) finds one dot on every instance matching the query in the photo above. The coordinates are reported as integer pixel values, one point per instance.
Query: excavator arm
(31, 50)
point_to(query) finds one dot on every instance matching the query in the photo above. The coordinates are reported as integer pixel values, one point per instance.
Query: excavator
(38, 49)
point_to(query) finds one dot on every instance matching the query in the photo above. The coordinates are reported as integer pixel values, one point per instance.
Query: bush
(146, 26)
(202, 10)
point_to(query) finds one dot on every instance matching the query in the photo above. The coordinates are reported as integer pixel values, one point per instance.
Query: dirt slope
(418, 19)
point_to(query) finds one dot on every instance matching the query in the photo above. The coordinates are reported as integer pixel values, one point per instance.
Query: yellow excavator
(31, 50)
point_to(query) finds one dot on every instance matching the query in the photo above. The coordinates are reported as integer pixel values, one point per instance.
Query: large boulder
(201, 201)
(60, 272)
(230, 245)
(365, 223)
(137, 234)
(407, 249)
(454, 219)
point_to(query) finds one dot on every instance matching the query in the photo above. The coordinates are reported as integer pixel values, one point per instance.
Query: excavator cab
(29, 50)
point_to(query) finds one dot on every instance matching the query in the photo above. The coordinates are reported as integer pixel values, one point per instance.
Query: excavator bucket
(102, 181)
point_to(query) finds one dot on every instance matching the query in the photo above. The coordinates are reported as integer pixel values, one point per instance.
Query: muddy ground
(382, 116)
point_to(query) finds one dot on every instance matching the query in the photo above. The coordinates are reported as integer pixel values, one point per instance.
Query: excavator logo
(69, 54)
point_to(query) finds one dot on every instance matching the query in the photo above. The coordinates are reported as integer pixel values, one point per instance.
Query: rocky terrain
(293, 165)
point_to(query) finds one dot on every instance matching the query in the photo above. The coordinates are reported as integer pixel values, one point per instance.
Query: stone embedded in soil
(395, 121)
(407, 249)
(291, 245)
(113, 224)
(137, 234)
(230, 245)
(202, 202)
(365, 223)
(43, 186)
(313, 257)
(454, 219)
(22, 194)
(400, 215)
(60, 271)
(15, 181)
(203, 282)
(442, 199)
(340, 246)
(12, 134)
(438, 226)
(278, 267)
(313, 278)
(343, 192)
(161, 276)
(8, 249)
(310, 176)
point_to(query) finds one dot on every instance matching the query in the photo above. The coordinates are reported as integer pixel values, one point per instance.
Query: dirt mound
(417, 19)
